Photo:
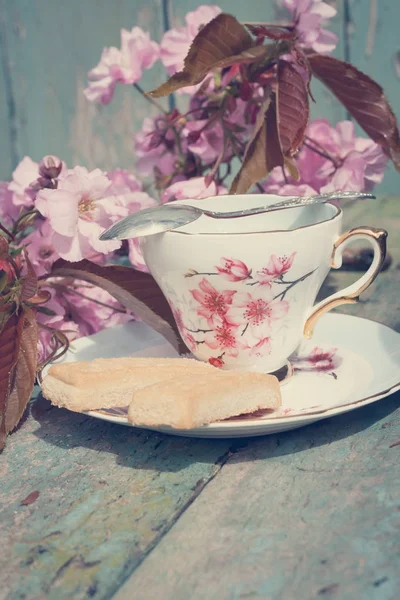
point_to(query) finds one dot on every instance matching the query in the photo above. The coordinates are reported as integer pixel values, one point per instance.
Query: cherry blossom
(137, 52)
(194, 188)
(123, 181)
(258, 311)
(151, 154)
(340, 161)
(276, 268)
(189, 340)
(213, 303)
(25, 174)
(78, 212)
(309, 17)
(233, 270)
(93, 309)
(216, 362)
(261, 348)
(42, 252)
(319, 359)
(8, 211)
(361, 162)
(224, 338)
(207, 140)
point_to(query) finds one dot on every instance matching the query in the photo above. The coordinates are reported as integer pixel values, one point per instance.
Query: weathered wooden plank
(312, 513)
(51, 47)
(7, 108)
(305, 514)
(107, 494)
(373, 40)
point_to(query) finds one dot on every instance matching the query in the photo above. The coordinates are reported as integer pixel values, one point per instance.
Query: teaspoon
(163, 218)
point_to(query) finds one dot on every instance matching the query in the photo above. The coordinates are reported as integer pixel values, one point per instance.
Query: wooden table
(311, 513)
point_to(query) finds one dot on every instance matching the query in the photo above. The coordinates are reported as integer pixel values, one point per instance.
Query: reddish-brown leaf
(31, 498)
(292, 107)
(263, 151)
(220, 43)
(135, 290)
(10, 338)
(3, 247)
(363, 98)
(29, 281)
(275, 32)
(25, 371)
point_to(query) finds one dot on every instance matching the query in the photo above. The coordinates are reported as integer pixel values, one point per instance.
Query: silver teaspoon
(163, 218)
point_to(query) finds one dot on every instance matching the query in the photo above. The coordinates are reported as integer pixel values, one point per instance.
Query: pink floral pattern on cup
(319, 360)
(243, 319)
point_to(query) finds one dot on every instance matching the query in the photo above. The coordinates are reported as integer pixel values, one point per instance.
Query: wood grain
(51, 46)
(373, 42)
(107, 495)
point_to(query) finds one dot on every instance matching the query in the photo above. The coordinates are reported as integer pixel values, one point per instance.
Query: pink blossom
(302, 189)
(176, 42)
(233, 270)
(41, 250)
(356, 163)
(261, 348)
(178, 316)
(213, 303)
(78, 212)
(216, 362)
(224, 338)
(309, 17)
(194, 188)
(150, 154)
(58, 320)
(94, 309)
(137, 52)
(318, 360)
(123, 181)
(189, 340)
(361, 162)
(257, 310)
(130, 202)
(25, 174)
(8, 211)
(277, 267)
(208, 142)
(136, 256)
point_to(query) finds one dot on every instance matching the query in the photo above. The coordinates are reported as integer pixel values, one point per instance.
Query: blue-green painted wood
(107, 494)
(8, 154)
(309, 514)
(374, 41)
(48, 47)
(51, 46)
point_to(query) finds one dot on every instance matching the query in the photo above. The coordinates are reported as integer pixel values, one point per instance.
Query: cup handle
(350, 294)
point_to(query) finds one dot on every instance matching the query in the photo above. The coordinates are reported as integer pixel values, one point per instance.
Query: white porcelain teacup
(243, 290)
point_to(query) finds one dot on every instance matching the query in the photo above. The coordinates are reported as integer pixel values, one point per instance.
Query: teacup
(242, 290)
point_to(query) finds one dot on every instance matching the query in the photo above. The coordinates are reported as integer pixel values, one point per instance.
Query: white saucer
(350, 362)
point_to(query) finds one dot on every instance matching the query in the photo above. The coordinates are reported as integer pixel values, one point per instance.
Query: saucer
(350, 362)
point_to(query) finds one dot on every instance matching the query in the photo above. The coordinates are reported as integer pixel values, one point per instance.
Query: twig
(4, 230)
(292, 284)
(150, 99)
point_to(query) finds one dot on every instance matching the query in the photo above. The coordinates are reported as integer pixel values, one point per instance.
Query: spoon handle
(289, 203)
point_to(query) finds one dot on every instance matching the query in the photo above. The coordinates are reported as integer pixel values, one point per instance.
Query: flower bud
(50, 167)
